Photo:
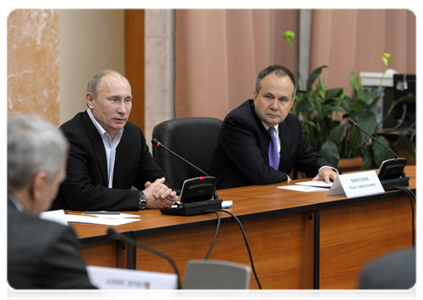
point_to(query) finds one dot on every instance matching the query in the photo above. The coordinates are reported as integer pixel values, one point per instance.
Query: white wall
(90, 41)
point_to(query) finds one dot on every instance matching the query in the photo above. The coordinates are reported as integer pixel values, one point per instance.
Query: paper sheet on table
(55, 216)
(315, 183)
(300, 188)
(112, 220)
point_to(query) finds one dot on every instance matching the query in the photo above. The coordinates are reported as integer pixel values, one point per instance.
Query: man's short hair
(279, 71)
(94, 84)
(33, 145)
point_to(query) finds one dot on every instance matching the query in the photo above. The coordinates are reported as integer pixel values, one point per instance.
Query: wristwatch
(143, 201)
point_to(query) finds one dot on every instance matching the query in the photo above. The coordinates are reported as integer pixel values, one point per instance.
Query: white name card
(357, 184)
(116, 279)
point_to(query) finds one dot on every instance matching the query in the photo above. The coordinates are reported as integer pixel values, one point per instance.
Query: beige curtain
(353, 40)
(218, 53)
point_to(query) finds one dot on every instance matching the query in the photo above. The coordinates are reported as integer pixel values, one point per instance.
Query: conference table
(297, 240)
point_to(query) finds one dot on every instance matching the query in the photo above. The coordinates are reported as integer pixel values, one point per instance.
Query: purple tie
(273, 149)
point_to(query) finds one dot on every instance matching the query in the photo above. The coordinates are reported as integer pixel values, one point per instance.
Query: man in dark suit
(42, 258)
(246, 153)
(110, 166)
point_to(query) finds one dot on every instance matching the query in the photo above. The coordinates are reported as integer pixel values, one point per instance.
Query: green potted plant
(324, 114)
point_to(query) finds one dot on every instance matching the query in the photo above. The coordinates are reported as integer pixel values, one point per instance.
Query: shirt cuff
(335, 170)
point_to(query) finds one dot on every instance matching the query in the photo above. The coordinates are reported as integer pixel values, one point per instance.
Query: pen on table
(102, 212)
(81, 214)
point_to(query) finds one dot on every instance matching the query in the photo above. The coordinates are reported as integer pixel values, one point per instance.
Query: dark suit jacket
(241, 153)
(42, 254)
(86, 184)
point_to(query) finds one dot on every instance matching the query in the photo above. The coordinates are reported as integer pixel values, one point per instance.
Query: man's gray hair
(94, 84)
(33, 145)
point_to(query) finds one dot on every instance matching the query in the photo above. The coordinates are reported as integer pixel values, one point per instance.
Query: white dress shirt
(110, 146)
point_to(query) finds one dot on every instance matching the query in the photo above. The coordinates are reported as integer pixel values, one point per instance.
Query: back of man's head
(33, 145)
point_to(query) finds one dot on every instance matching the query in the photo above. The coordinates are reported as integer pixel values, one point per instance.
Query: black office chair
(394, 270)
(191, 138)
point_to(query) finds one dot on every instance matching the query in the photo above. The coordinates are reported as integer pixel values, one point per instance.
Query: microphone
(352, 122)
(112, 233)
(158, 144)
(391, 171)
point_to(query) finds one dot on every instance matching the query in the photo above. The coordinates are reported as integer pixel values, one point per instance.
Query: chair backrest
(395, 275)
(216, 274)
(191, 138)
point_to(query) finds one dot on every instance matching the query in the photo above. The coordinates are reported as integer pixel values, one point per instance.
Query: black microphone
(158, 144)
(352, 122)
(391, 172)
(112, 233)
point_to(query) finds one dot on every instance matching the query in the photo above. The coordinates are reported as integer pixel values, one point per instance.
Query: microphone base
(390, 184)
(192, 209)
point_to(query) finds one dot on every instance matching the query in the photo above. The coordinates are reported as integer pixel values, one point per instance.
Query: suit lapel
(123, 151)
(286, 143)
(97, 146)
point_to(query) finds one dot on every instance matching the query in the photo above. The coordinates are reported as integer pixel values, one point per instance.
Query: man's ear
(37, 186)
(89, 99)
(254, 94)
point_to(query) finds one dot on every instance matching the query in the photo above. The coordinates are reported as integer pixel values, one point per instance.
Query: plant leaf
(337, 135)
(330, 151)
(332, 93)
(379, 152)
(313, 76)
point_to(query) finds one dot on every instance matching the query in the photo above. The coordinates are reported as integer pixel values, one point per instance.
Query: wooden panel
(107, 254)
(352, 235)
(134, 62)
(276, 244)
(279, 225)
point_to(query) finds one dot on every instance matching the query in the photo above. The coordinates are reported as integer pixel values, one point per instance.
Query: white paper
(116, 279)
(300, 188)
(357, 184)
(227, 204)
(316, 183)
(113, 220)
(55, 216)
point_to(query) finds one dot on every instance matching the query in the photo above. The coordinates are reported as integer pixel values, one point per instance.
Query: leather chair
(394, 270)
(215, 274)
(193, 139)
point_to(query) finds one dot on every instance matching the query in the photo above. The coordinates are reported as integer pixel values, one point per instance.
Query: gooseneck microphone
(158, 144)
(391, 171)
(112, 233)
(353, 123)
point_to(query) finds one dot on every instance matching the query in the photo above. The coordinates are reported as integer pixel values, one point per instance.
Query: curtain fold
(218, 53)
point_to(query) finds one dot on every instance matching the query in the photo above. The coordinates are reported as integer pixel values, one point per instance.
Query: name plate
(357, 184)
(115, 279)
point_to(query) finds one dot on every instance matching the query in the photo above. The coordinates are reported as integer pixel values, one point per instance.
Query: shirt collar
(267, 128)
(16, 202)
(100, 129)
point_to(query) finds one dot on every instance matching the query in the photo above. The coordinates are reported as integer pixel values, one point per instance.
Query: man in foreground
(40, 254)
(43, 259)
(261, 142)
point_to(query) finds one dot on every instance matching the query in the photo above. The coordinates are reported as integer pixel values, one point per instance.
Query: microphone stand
(158, 144)
(391, 171)
(116, 236)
